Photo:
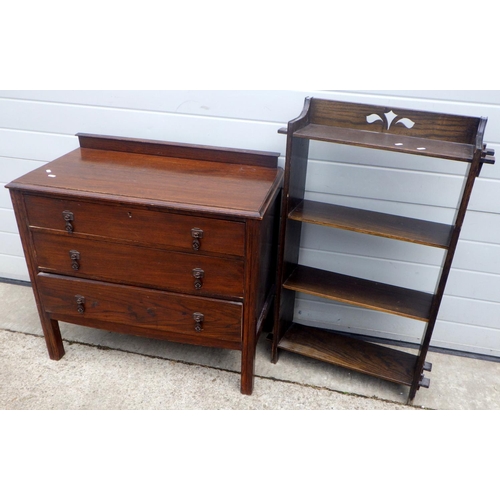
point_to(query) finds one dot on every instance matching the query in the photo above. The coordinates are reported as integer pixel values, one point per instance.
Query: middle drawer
(123, 263)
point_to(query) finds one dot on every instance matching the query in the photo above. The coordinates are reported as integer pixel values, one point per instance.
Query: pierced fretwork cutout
(388, 119)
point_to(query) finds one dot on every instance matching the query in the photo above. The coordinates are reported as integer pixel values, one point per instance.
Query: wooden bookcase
(451, 137)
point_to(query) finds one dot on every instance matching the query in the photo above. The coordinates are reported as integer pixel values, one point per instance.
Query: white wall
(39, 126)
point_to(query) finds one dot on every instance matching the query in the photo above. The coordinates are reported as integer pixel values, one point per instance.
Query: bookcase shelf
(428, 134)
(375, 223)
(351, 353)
(389, 142)
(360, 292)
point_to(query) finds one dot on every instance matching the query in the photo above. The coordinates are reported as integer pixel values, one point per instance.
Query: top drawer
(126, 223)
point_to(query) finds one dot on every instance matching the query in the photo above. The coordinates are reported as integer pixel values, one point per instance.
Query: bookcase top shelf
(389, 142)
(424, 133)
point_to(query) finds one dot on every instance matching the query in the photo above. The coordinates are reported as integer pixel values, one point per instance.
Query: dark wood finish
(50, 327)
(297, 151)
(351, 353)
(161, 240)
(361, 292)
(179, 150)
(192, 187)
(389, 142)
(114, 262)
(473, 172)
(145, 308)
(452, 137)
(136, 225)
(375, 223)
(426, 125)
(250, 322)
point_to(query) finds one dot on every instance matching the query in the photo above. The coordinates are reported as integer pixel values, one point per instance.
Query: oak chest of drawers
(156, 239)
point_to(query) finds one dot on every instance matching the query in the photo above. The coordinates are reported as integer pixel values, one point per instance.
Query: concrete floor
(104, 370)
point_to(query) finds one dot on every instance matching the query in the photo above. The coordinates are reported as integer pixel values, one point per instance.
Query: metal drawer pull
(198, 275)
(198, 321)
(80, 303)
(197, 235)
(75, 257)
(68, 217)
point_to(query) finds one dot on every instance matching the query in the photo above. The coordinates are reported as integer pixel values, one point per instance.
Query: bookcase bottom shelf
(354, 354)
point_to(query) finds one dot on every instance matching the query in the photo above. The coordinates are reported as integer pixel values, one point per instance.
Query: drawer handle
(197, 235)
(198, 275)
(68, 218)
(198, 321)
(75, 257)
(80, 303)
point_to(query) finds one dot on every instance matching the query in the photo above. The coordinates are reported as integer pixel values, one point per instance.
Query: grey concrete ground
(104, 370)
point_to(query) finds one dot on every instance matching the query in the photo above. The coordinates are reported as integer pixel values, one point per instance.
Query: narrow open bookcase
(428, 134)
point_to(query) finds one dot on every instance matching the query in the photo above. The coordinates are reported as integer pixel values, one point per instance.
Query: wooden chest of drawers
(156, 239)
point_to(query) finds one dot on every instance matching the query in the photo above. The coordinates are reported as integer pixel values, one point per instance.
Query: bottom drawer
(141, 311)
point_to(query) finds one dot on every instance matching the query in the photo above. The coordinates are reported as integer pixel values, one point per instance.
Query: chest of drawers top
(190, 179)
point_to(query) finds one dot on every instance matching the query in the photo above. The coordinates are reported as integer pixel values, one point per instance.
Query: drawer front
(200, 320)
(122, 263)
(149, 227)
